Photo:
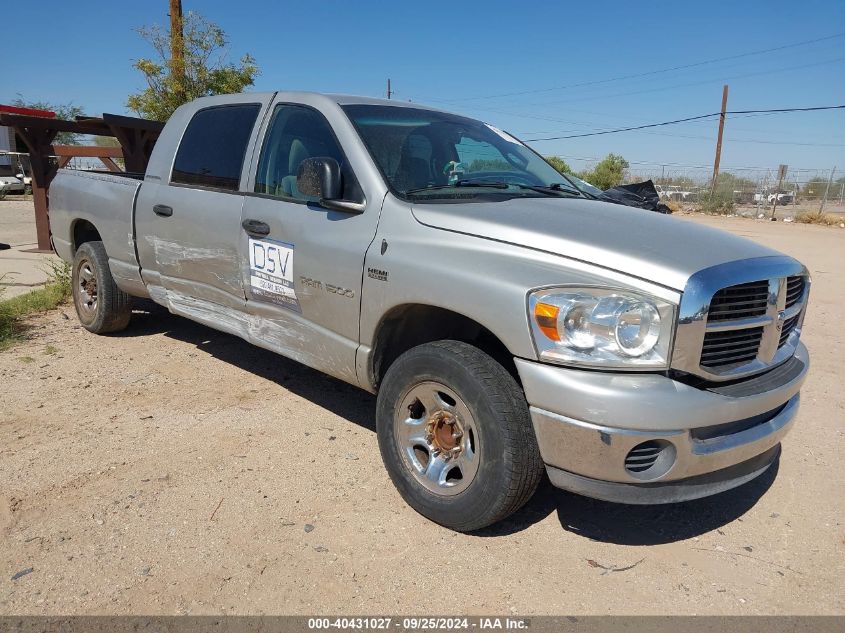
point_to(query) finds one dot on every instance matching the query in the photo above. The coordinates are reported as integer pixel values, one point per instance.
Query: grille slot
(650, 459)
(788, 326)
(643, 456)
(794, 290)
(739, 302)
(730, 347)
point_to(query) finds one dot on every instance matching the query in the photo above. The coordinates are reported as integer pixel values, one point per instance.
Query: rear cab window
(211, 153)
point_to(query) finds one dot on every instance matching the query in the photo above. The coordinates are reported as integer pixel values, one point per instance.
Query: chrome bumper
(586, 424)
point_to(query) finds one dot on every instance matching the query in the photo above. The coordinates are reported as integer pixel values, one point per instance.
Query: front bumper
(708, 440)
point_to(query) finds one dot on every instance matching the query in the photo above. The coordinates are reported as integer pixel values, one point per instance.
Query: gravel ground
(175, 469)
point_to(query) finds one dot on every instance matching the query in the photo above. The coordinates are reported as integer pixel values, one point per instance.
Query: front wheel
(100, 305)
(456, 437)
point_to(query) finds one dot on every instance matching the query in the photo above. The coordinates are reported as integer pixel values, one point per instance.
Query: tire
(100, 305)
(449, 398)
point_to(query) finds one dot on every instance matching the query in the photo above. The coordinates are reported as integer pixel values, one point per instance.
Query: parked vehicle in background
(510, 324)
(674, 192)
(14, 173)
(782, 198)
(11, 184)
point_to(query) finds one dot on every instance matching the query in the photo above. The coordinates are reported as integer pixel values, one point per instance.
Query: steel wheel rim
(86, 289)
(437, 437)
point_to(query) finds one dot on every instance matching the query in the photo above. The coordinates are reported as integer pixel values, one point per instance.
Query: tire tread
(114, 305)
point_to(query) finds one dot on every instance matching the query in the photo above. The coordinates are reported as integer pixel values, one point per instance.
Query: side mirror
(320, 178)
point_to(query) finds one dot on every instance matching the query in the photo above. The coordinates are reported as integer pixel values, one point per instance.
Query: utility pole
(826, 190)
(389, 91)
(719, 140)
(781, 175)
(177, 45)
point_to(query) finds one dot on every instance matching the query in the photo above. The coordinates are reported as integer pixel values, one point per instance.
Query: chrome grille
(739, 302)
(730, 347)
(794, 290)
(788, 326)
(740, 318)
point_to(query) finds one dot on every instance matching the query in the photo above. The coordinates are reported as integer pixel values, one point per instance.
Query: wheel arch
(82, 231)
(408, 325)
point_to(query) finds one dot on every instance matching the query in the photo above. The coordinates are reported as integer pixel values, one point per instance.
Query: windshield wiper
(553, 189)
(466, 182)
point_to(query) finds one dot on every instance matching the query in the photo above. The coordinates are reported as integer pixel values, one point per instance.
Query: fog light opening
(650, 460)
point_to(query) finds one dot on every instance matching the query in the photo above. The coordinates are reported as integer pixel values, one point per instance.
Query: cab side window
(212, 150)
(294, 134)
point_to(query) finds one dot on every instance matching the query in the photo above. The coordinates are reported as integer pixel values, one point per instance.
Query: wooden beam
(110, 164)
(133, 122)
(86, 151)
(17, 121)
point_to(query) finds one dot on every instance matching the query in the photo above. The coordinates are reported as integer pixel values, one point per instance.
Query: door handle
(163, 210)
(256, 227)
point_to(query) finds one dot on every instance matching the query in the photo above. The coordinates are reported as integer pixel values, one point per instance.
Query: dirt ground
(175, 469)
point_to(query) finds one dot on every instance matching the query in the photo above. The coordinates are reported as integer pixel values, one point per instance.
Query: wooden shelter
(136, 137)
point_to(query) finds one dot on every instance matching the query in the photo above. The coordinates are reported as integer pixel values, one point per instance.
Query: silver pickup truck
(509, 322)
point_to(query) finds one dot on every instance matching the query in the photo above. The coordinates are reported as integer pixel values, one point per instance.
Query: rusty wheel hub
(437, 437)
(444, 433)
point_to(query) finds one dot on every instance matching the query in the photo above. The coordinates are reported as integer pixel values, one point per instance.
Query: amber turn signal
(546, 316)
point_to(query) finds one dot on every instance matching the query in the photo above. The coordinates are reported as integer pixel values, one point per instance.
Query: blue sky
(464, 56)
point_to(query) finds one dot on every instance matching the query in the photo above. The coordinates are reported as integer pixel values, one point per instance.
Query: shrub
(720, 203)
(55, 292)
(827, 219)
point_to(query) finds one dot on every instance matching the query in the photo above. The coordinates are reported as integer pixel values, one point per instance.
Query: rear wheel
(456, 437)
(100, 305)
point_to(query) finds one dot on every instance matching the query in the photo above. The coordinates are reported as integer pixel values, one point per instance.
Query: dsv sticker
(271, 272)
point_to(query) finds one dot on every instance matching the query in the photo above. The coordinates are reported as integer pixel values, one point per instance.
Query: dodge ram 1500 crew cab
(509, 322)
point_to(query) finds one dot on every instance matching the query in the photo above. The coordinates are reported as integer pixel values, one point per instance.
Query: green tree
(608, 173)
(206, 71)
(559, 164)
(66, 112)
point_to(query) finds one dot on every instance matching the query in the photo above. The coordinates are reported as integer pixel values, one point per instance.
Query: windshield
(429, 155)
(586, 187)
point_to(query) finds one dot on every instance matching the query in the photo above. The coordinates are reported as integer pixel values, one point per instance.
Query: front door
(302, 263)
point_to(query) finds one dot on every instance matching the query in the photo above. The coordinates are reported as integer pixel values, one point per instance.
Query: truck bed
(101, 201)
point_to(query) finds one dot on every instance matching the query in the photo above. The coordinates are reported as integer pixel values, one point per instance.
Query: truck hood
(644, 244)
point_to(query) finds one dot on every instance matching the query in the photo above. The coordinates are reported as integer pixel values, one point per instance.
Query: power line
(684, 120)
(654, 72)
(524, 115)
(594, 97)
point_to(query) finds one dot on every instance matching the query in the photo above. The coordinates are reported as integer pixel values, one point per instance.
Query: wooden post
(44, 168)
(719, 139)
(42, 219)
(781, 175)
(177, 46)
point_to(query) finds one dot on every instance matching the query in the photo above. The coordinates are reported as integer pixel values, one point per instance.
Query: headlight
(601, 327)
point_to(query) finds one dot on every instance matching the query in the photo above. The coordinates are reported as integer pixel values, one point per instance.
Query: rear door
(303, 268)
(189, 227)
